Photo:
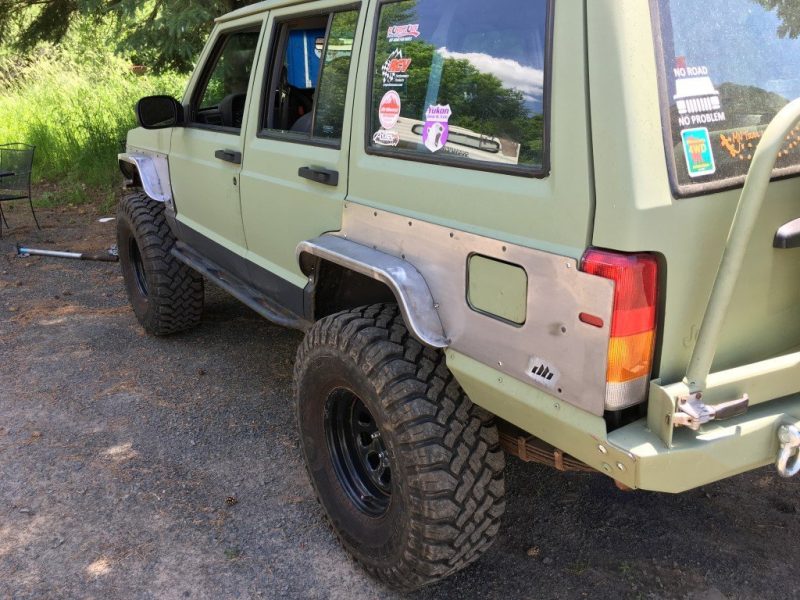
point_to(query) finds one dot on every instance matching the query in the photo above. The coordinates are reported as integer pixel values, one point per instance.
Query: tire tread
(449, 448)
(175, 291)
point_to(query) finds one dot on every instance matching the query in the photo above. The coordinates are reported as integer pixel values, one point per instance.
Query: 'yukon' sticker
(437, 128)
(698, 151)
(389, 110)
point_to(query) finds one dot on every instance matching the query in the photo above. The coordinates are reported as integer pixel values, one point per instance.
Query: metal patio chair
(16, 161)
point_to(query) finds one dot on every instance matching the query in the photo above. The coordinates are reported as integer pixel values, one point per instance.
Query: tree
(162, 34)
(789, 12)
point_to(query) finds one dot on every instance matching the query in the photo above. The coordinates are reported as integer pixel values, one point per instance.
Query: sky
(504, 38)
(738, 41)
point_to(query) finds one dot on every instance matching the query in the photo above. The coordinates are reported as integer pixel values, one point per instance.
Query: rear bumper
(636, 455)
(718, 450)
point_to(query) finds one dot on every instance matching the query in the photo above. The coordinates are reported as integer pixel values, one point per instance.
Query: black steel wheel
(360, 459)
(138, 267)
(408, 470)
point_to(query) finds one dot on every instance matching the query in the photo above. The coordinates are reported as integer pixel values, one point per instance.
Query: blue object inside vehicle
(303, 57)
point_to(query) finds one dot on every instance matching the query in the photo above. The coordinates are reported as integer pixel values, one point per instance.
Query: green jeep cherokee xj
(561, 229)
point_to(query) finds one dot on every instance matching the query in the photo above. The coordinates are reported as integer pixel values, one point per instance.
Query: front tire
(408, 470)
(166, 295)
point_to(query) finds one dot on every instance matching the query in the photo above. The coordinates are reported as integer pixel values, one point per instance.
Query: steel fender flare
(152, 171)
(413, 295)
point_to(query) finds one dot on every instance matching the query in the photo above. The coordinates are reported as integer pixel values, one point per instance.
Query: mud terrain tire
(166, 295)
(408, 470)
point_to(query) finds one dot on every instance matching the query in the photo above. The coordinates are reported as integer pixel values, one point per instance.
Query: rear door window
(309, 74)
(723, 80)
(461, 82)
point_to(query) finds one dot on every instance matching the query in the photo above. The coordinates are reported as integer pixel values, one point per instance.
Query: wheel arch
(148, 172)
(344, 275)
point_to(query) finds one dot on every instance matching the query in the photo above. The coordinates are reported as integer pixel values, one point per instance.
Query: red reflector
(636, 290)
(591, 320)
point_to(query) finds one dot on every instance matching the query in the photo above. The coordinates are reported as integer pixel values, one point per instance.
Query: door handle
(230, 156)
(788, 236)
(319, 175)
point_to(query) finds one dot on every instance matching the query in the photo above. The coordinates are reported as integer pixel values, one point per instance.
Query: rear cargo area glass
(728, 67)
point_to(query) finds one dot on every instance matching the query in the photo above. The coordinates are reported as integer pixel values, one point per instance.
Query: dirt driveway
(134, 467)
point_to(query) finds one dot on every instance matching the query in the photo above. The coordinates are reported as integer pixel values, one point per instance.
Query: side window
(222, 94)
(459, 82)
(309, 73)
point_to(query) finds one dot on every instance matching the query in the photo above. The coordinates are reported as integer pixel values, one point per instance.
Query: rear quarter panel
(636, 211)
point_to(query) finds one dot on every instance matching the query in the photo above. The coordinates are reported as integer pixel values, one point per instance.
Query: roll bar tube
(750, 203)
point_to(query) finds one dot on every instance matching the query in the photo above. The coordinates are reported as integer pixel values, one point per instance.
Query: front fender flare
(152, 171)
(413, 295)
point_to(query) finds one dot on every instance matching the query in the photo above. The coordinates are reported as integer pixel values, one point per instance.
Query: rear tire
(408, 470)
(166, 295)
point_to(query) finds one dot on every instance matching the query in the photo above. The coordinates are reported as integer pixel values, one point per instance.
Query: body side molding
(406, 282)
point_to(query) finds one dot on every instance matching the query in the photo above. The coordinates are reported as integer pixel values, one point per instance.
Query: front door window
(221, 98)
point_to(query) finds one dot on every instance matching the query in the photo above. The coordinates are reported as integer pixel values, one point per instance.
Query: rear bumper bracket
(692, 412)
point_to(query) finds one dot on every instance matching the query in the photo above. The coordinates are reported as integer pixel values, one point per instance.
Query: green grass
(76, 108)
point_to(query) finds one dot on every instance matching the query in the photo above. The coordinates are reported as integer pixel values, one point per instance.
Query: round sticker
(389, 111)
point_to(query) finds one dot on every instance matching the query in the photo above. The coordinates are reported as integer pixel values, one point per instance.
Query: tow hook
(693, 413)
(788, 462)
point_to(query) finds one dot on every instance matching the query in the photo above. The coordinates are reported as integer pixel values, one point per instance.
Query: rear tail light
(633, 323)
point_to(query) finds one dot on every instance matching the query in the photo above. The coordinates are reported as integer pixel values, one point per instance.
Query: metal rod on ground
(22, 251)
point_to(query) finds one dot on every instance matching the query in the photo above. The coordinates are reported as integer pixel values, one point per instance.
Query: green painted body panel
(206, 189)
(552, 214)
(498, 288)
(280, 209)
(153, 140)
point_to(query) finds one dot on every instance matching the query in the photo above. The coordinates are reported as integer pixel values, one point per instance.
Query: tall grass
(75, 107)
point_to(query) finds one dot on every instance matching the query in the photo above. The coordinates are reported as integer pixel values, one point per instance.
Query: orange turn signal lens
(630, 357)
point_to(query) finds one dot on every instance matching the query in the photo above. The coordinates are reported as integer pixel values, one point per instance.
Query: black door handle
(230, 156)
(319, 175)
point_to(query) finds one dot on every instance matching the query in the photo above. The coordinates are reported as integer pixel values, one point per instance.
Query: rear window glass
(729, 67)
(461, 81)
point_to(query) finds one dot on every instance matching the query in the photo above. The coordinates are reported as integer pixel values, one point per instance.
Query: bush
(75, 107)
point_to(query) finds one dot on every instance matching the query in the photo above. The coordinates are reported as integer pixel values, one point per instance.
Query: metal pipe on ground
(23, 251)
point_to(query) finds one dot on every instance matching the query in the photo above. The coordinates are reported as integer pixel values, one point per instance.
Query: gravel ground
(134, 467)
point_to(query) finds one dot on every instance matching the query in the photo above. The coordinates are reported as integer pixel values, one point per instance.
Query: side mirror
(159, 112)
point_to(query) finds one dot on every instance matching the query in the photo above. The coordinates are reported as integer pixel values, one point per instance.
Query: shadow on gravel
(135, 467)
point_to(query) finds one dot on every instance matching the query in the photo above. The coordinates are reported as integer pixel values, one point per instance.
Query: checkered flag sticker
(390, 75)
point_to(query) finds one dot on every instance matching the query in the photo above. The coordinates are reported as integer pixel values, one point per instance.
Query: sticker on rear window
(699, 155)
(403, 33)
(384, 137)
(437, 128)
(395, 69)
(696, 98)
(389, 111)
